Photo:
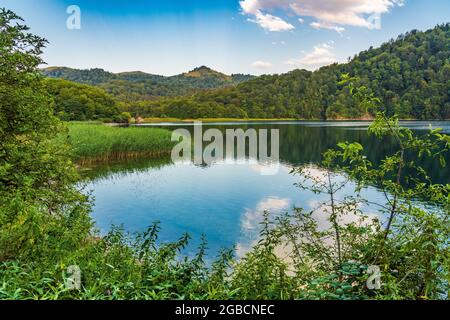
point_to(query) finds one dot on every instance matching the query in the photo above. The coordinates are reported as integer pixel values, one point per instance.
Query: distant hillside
(136, 86)
(74, 101)
(91, 77)
(410, 74)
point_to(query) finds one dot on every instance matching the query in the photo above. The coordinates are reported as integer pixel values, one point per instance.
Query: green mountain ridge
(138, 85)
(411, 76)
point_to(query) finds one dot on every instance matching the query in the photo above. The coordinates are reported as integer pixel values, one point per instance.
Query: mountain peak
(203, 68)
(204, 72)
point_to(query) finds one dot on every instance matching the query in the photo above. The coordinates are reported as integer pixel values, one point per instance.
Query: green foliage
(80, 102)
(124, 117)
(41, 212)
(410, 76)
(330, 247)
(261, 274)
(90, 77)
(412, 248)
(139, 86)
(119, 266)
(96, 142)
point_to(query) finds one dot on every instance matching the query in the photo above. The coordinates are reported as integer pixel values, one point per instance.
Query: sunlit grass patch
(95, 142)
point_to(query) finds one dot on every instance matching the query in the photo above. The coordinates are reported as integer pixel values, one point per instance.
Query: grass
(95, 142)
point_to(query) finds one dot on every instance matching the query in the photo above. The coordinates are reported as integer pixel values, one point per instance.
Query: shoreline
(172, 121)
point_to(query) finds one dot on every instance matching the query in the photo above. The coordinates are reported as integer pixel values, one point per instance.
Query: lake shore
(260, 120)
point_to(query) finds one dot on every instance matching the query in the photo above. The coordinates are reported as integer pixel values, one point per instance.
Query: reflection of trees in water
(299, 144)
(121, 168)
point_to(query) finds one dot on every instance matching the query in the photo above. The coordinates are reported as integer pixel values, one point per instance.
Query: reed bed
(97, 143)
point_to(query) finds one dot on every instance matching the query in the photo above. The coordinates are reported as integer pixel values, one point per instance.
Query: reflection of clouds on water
(266, 168)
(272, 168)
(315, 173)
(252, 218)
(319, 205)
(322, 213)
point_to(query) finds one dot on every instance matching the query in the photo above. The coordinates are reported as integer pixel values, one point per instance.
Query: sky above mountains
(249, 36)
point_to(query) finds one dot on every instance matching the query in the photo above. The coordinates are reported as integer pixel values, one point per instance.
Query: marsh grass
(99, 143)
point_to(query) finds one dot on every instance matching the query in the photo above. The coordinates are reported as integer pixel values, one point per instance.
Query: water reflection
(225, 201)
(252, 218)
(304, 142)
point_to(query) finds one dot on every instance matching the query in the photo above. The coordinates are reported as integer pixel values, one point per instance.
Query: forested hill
(410, 74)
(136, 86)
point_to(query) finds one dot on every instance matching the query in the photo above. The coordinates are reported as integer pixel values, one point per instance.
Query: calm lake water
(225, 202)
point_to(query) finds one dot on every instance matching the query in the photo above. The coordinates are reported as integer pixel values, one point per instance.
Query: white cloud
(329, 14)
(262, 65)
(265, 20)
(321, 55)
(318, 25)
(250, 6)
(271, 23)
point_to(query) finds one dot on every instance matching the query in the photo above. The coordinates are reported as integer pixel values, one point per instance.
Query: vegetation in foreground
(92, 142)
(45, 225)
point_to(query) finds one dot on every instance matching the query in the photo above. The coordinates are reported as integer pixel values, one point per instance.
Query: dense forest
(411, 75)
(136, 86)
(74, 101)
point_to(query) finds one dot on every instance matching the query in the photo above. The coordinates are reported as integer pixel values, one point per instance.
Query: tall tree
(36, 176)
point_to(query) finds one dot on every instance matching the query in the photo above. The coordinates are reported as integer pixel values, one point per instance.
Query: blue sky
(249, 36)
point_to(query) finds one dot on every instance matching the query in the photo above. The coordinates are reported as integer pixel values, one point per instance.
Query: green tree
(38, 200)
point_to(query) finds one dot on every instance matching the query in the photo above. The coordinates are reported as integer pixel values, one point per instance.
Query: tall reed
(95, 142)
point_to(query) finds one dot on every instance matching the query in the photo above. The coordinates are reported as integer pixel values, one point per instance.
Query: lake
(225, 202)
